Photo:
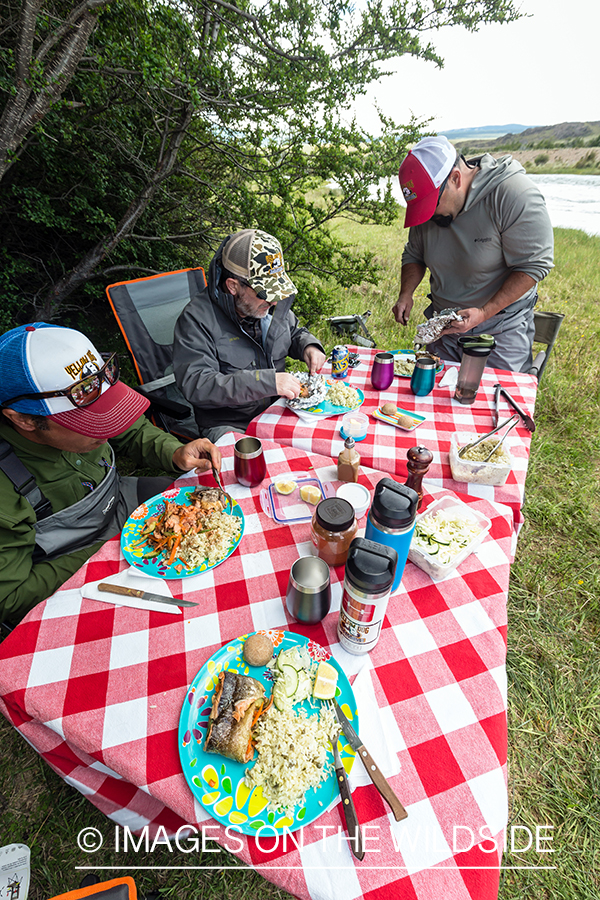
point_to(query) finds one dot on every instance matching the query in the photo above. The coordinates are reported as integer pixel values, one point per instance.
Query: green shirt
(61, 476)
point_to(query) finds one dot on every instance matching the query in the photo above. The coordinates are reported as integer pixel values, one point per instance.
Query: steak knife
(372, 769)
(142, 595)
(349, 810)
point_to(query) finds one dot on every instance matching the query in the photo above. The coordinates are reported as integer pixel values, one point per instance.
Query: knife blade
(352, 827)
(142, 595)
(371, 767)
(527, 420)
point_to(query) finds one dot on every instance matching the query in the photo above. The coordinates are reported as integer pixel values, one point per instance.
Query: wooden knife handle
(119, 589)
(382, 785)
(352, 827)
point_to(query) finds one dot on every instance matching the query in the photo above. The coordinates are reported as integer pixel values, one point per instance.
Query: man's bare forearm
(516, 285)
(411, 276)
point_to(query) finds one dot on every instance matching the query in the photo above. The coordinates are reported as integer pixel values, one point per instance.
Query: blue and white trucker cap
(40, 357)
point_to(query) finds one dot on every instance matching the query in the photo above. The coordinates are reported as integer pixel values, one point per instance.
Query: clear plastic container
(494, 473)
(290, 508)
(435, 569)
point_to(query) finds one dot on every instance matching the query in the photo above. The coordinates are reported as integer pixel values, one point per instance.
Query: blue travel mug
(391, 520)
(423, 377)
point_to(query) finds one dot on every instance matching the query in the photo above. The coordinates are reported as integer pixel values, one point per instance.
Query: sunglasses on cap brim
(82, 392)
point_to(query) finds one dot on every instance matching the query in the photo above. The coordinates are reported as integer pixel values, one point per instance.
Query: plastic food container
(291, 508)
(357, 495)
(435, 569)
(354, 425)
(494, 473)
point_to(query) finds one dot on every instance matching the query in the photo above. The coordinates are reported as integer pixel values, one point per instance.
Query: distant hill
(483, 132)
(562, 134)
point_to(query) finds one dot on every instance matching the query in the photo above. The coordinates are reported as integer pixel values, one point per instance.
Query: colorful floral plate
(408, 354)
(217, 782)
(157, 566)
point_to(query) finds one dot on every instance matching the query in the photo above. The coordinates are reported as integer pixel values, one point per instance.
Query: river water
(573, 200)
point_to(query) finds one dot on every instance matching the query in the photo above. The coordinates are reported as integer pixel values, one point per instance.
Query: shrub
(586, 162)
(541, 159)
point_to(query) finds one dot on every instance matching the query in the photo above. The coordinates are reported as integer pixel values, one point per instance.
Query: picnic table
(385, 446)
(97, 690)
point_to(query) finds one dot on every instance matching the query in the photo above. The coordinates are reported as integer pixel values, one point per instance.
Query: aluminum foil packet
(430, 331)
(314, 391)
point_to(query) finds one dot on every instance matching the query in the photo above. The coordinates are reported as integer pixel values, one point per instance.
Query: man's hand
(287, 385)
(200, 455)
(314, 358)
(402, 308)
(471, 318)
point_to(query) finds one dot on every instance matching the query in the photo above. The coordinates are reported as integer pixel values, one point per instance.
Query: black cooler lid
(371, 567)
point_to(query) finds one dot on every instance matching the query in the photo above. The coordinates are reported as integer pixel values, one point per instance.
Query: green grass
(553, 624)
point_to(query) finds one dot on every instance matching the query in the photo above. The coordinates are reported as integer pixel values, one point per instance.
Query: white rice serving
(343, 395)
(293, 755)
(211, 545)
(403, 365)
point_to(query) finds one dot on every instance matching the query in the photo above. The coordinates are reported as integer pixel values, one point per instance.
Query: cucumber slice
(290, 680)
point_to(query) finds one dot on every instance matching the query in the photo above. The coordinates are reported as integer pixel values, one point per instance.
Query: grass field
(553, 628)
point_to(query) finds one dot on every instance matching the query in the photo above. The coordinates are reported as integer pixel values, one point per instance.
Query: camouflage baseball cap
(257, 257)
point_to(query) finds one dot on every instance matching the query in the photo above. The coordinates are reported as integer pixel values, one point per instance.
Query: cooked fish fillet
(230, 725)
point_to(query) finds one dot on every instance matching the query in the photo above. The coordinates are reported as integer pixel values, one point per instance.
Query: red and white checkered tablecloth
(97, 690)
(385, 446)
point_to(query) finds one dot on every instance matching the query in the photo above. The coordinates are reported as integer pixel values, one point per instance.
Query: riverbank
(558, 161)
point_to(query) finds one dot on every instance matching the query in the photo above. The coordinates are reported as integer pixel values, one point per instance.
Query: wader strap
(23, 481)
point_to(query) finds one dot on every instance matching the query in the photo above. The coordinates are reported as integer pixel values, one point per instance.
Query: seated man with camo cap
(63, 414)
(232, 339)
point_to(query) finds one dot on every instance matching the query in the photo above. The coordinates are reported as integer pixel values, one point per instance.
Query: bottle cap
(349, 443)
(334, 514)
(394, 505)
(371, 567)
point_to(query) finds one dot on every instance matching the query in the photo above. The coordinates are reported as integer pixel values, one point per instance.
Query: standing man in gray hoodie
(483, 231)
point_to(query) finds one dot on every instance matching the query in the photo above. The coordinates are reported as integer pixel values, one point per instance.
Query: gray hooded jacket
(227, 376)
(504, 227)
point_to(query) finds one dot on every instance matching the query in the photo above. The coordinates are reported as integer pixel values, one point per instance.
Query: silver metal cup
(308, 596)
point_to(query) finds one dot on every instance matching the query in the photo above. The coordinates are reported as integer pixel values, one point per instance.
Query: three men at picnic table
(483, 231)
(61, 496)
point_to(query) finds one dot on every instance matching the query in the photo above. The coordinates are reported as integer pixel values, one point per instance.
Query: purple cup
(249, 463)
(382, 373)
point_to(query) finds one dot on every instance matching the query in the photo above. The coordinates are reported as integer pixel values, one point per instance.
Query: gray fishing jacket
(503, 227)
(227, 376)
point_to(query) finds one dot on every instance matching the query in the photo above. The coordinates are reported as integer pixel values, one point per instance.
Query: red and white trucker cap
(421, 173)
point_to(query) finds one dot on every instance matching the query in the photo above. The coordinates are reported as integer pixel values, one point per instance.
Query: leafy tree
(185, 120)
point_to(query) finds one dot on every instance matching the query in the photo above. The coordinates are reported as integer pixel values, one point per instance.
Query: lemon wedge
(285, 487)
(325, 682)
(310, 493)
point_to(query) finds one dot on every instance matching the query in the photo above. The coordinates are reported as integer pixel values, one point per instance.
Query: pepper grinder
(419, 460)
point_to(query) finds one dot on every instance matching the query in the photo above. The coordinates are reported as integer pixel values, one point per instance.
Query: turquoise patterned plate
(134, 553)
(218, 782)
(326, 408)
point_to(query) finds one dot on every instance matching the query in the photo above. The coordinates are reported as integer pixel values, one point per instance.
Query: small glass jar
(333, 527)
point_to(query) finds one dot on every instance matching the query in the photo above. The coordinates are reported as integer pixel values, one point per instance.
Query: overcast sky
(538, 71)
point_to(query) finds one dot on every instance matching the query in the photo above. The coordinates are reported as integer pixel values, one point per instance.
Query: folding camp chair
(547, 326)
(117, 889)
(146, 310)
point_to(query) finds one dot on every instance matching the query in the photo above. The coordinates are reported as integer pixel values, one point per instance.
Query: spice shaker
(332, 529)
(419, 460)
(475, 350)
(391, 520)
(348, 462)
(368, 579)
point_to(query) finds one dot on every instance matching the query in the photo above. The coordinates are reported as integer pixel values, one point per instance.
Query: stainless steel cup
(308, 596)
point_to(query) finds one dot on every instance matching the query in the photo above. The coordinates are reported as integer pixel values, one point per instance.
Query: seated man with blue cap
(64, 415)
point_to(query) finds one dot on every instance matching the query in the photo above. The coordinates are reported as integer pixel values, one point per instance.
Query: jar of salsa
(333, 527)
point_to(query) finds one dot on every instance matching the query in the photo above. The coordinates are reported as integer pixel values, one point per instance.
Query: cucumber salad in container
(445, 534)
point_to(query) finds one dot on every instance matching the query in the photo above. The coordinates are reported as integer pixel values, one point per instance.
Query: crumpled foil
(430, 331)
(317, 391)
